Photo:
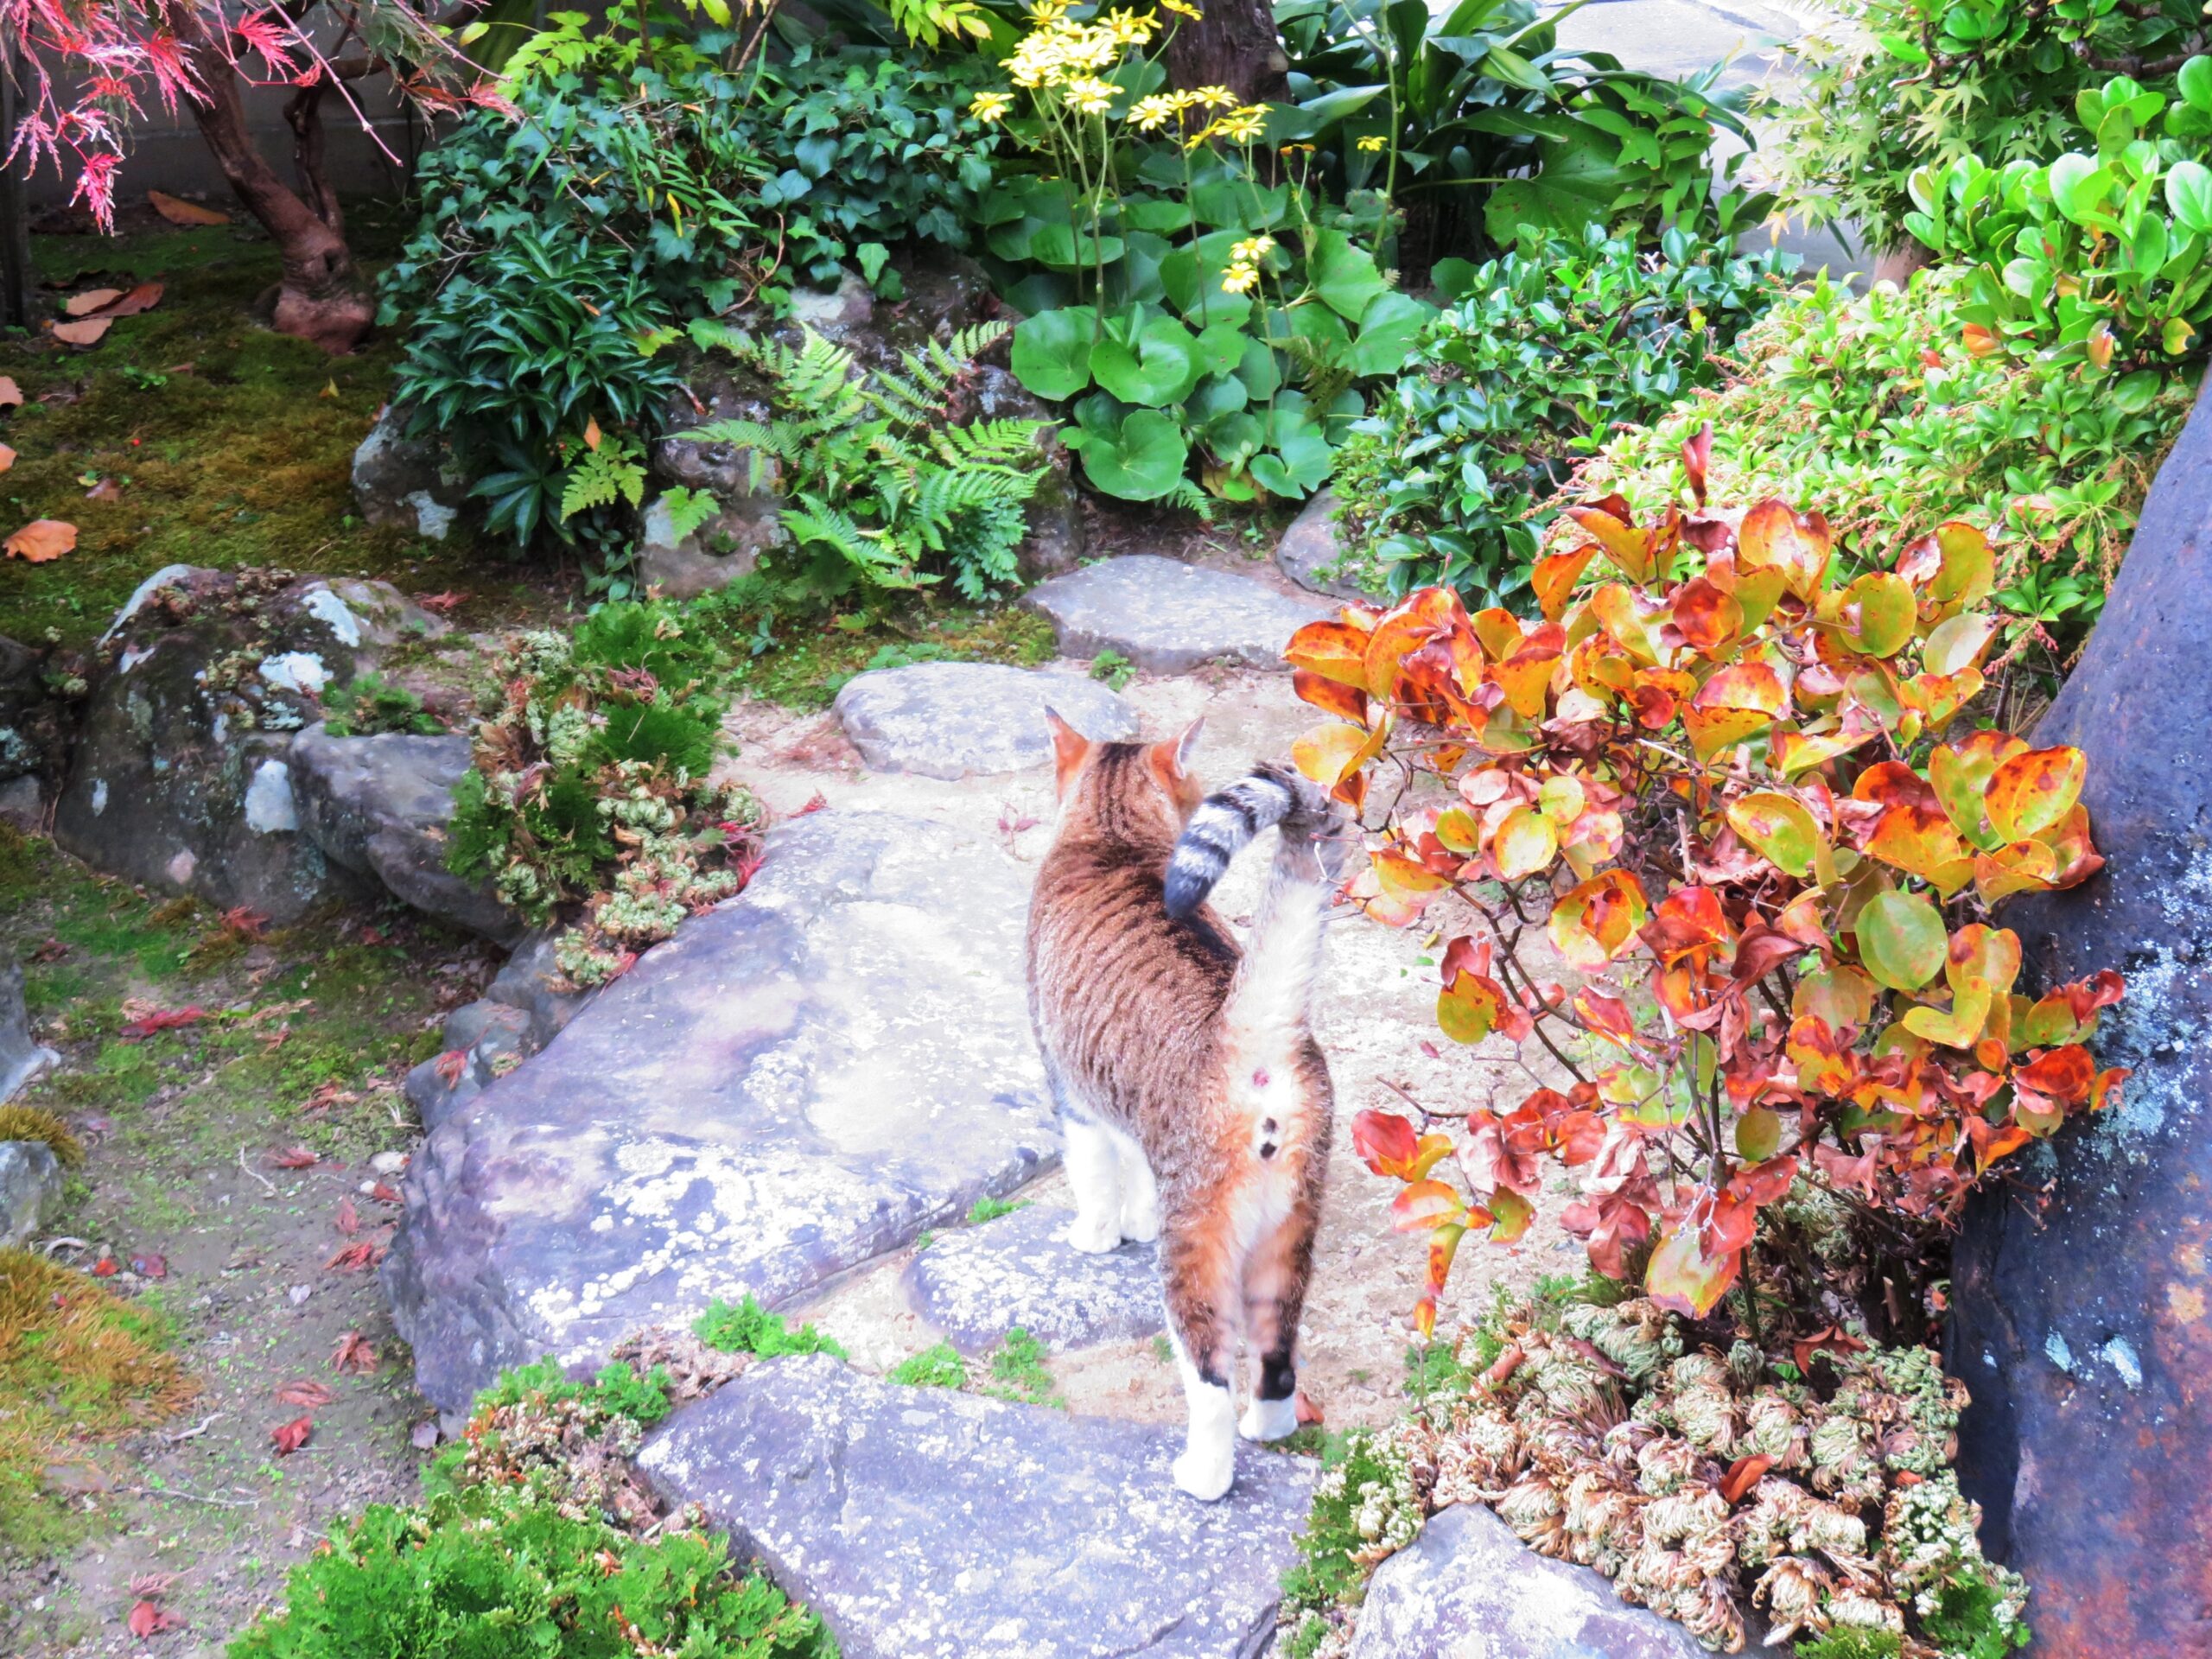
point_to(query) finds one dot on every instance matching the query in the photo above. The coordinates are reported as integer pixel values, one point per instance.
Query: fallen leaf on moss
(43, 541)
(145, 1022)
(106, 490)
(11, 395)
(144, 297)
(92, 300)
(87, 332)
(184, 212)
(7, 457)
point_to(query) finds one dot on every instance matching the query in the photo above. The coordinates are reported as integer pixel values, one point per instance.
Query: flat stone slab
(1468, 1587)
(923, 1523)
(977, 1284)
(1311, 546)
(949, 720)
(1170, 616)
(802, 1079)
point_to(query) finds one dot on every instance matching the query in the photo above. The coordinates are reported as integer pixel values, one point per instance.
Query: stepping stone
(923, 1523)
(1170, 616)
(1681, 37)
(977, 1284)
(802, 1079)
(1468, 1586)
(949, 720)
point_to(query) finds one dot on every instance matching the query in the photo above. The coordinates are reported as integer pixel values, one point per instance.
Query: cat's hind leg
(1140, 1192)
(1201, 1292)
(1276, 1275)
(1094, 1167)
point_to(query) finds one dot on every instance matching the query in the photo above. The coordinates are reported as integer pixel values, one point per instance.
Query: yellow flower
(1374, 143)
(1088, 95)
(1129, 30)
(1243, 125)
(1252, 250)
(1048, 11)
(1240, 279)
(1214, 98)
(1150, 114)
(990, 107)
(1182, 9)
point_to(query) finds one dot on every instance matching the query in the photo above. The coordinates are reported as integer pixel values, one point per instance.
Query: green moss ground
(242, 455)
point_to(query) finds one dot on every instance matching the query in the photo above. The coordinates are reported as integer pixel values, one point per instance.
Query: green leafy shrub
(1898, 85)
(1876, 407)
(2097, 258)
(369, 704)
(1436, 113)
(882, 490)
(748, 1328)
(591, 784)
(617, 1391)
(489, 1571)
(1551, 350)
(937, 1367)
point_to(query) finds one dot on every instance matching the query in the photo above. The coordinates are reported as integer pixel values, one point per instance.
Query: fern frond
(598, 477)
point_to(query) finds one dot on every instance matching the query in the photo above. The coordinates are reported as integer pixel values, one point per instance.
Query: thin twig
(256, 1174)
(193, 1433)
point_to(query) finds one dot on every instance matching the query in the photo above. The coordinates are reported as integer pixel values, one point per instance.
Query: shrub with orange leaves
(1740, 801)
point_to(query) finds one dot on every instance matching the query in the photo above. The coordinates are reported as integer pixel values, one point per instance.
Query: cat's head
(1123, 783)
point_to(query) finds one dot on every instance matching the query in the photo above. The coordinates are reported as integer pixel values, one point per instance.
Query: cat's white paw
(1270, 1419)
(1205, 1471)
(1096, 1235)
(1140, 1219)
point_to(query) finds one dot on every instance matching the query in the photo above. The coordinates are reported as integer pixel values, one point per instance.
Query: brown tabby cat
(1195, 1104)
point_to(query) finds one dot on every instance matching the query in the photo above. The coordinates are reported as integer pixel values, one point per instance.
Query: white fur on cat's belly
(1270, 1419)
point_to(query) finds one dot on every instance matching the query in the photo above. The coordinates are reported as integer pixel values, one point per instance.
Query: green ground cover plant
(747, 1328)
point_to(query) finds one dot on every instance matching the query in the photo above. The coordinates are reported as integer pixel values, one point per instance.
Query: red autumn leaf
(349, 1218)
(2062, 1074)
(355, 1258)
(451, 1064)
(306, 1392)
(814, 803)
(150, 1266)
(383, 1194)
(1387, 1145)
(1832, 1340)
(1697, 457)
(353, 1354)
(1421, 1205)
(1743, 1474)
(294, 1158)
(105, 1268)
(1683, 1279)
(155, 1020)
(443, 603)
(290, 1437)
(178, 212)
(148, 1619)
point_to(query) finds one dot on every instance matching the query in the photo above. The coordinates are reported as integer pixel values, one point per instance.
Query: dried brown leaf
(87, 332)
(92, 300)
(41, 541)
(184, 212)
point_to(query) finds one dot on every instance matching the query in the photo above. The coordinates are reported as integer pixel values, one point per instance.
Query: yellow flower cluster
(1374, 143)
(1150, 114)
(1059, 52)
(1243, 273)
(1242, 126)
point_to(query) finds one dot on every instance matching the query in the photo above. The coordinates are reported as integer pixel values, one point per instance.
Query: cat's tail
(1229, 820)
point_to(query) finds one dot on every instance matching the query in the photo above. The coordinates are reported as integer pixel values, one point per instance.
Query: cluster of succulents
(593, 789)
(1704, 1485)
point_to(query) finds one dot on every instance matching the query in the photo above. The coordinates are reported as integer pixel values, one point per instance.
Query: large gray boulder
(183, 777)
(1171, 617)
(802, 1079)
(378, 806)
(926, 1524)
(979, 1283)
(30, 1189)
(1467, 1587)
(949, 720)
(31, 720)
(23, 1058)
(727, 545)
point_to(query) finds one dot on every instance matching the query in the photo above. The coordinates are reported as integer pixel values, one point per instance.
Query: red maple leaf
(383, 1194)
(105, 1268)
(349, 1218)
(290, 1437)
(451, 1064)
(293, 1158)
(443, 603)
(353, 1258)
(150, 1266)
(146, 1619)
(352, 1354)
(155, 1020)
(306, 1392)
(814, 803)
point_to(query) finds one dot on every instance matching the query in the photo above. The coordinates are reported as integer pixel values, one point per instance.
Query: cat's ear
(1070, 748)
(1171, 761)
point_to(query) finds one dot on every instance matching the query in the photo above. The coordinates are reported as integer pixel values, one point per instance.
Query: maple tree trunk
(15, 277)
(321, 297)
(1234, 45)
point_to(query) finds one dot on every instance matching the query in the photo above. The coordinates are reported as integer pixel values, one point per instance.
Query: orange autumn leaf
(92, 300)
(11, 395)
(41, 541)
(184, 212)
(87, 332)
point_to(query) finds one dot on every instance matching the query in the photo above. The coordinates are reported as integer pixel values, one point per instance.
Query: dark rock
(23, 1057)
(1170, 616)
(800, 1080)
(30, 720)
(532, 981)
(923, 1523)
(405, 483)
(1468, 1587)
(978, 1283)
(183, 777)
(22, 803)
(1311, 550)
(30, 1189)
(2082, 1319)
(949, 720)
(378, 806)
(727, 546)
